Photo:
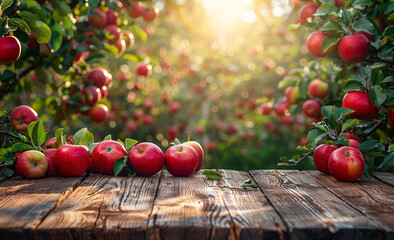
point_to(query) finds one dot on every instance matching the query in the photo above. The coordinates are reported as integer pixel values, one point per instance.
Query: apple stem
(140, 150)
(188, 136)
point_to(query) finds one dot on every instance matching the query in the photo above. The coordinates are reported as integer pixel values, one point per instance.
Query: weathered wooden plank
(385, 177)
(310, 210)
(3, 178)
(371, 197)
(103, 207)
(25, 202)
(189, 208)
(252, 214)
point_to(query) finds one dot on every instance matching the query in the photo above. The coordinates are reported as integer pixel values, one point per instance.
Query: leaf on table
(248, 183)
(211, 174)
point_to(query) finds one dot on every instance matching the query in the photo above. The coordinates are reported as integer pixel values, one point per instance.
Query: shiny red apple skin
(390, 115)
(99, 77)
(311, 108)
(50, 143)
(346, 164)
(146, 158)
(314, 44)
(129, 38)
(150, 14)
(92, 94)
(72, 160)
(99, 20)
(351, 136)
(266, 108)
(143, 69)
(105, 154)
(361, 104)
(135, 10)
(318, 88)
(50, 154)
(10, 49)
(114, 31)
(353, 48)
(112, 17)
(181, 160)
(353, 143)
(199, 151)
(307, 11)
(99, 113)
(281, 108)
(22, 116)
(321, 156)
(31, 164)
(292, 95)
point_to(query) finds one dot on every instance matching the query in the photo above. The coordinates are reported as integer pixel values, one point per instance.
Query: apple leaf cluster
(360, 85)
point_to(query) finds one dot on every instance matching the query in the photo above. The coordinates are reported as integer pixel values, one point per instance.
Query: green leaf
(377, 77)
(386, 160)
(357, 78)
(83, 137)
(108, 137)
(377, 95)
(342, 142)
(20, 23)
(388, 32)
(6, 171)
(130, 143)
(327, 110)
(139, 32)
(342, 112)
(128, 56)
(363, 25)
(331, 26)
(368, 169)
(329, 41)
(20, 147)
(366, 71)
(346, 17)
(388, 79)
(314, 136)
(121, 142)
(248, 183)
(352, 86)
(93, 3)
(112, 49)
(363, 2)
(391, 148)
(60, 139)
(177, 142)
(63, 7)
(131, 173)
(91, 147)
(325, 9)
(349, 123)
(322, 128)
(119, 165)
(94, 58)
(37, 133)
(57, 37)
(368, 145)
(42, 32)
(211, 174)
(6, 4)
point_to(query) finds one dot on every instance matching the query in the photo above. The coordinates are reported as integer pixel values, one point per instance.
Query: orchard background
(236, 74)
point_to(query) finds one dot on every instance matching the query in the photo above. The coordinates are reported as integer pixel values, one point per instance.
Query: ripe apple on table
(146, 158)
(346, 164)
(105, 154)
(31, 164)
(199, 151)
(181, 160)
(72, 160)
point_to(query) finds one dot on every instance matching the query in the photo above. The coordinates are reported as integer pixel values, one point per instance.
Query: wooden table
(286, 205)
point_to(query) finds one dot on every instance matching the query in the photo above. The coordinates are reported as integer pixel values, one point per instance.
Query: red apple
(104, 92)
(318, 88)
(72, 160)
(98, 19)
(353, 143)
(146, 158)
(266, 108)
(353, 48)
(303, 141)
(321, 155)
(50, 143)
(10, 49)
(92, 94)
(135, 10)
(199, 151)
(361, 104)
(114, 33)
(121, 46)
(346, 164)
(175, 107)
(129, 38)
(281, 108)
(147, 119)
(99, 113)
(232, 129)
(181, 160)
(31, 164)
(33, 41)
(105, 154)
(131, 127)
(351, 136)
(211, 146)
(171, 133)
(112, 17)
(150, 14)
(21, 117)
(339, 3)
(390, 115)
(50, 154)
(143, 69)
(311, 108)
(99, 76)
(314, 44)
(286, 120)
(292, 95)
(369, 36)
(307, 11)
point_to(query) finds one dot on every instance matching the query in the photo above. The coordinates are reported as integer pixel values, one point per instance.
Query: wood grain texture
(251, 213)
(103, 207)
(385, 177)
(310, 210)
(25, 202)
(190, 208)
(369, 196)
